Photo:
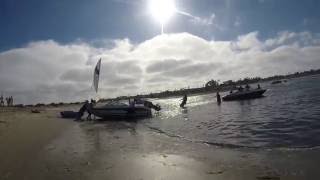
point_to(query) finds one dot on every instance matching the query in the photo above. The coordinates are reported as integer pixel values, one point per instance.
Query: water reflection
(287, 117)
(185, 113)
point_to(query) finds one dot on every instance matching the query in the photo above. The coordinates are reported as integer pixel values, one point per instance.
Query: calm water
(288, 117)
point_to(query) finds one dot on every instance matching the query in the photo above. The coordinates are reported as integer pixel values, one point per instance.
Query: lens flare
(162, 10)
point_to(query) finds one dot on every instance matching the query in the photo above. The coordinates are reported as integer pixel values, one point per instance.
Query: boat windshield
(115, 103)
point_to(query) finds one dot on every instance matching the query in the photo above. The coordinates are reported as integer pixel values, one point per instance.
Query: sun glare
(162, 10)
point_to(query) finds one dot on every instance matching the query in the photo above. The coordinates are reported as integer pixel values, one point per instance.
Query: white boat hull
(121, 112)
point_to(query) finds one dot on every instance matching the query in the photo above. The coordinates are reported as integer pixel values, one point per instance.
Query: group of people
(9, 101)
(247, 87)
(88, 106)
(240, 89)
(185, 98)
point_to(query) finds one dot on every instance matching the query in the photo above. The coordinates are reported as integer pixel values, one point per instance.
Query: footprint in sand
(268, 178)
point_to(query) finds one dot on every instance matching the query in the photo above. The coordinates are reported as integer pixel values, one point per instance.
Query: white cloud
(248, 42)
(46, 71)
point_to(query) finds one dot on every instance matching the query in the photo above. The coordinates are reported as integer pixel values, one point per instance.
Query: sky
(48, 49)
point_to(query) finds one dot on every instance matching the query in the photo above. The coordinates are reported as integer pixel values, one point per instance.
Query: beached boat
(69, 114)
(122, 110)
(137, 108)
(245, 94)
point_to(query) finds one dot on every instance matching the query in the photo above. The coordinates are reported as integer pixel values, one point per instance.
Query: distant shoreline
(210, 87)
(226, 86)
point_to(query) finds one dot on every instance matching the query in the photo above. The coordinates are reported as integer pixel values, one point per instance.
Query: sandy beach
(45, 146)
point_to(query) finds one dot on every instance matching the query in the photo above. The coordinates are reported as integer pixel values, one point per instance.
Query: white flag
(96, 75)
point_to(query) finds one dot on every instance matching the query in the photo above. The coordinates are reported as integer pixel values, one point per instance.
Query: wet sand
(44, 146)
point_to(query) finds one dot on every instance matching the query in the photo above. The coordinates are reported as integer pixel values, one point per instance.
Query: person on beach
(8, 101)
(1, 101)
(82, 110)
(184, 101)
(11, 101)
(218, 98)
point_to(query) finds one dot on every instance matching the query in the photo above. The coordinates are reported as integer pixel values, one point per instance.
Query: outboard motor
(156, 107)
(149, 104)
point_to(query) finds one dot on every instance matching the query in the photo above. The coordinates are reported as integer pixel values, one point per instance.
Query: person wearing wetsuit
(89, 108)
(184, 101)
(82, 110)
(247, 87)
(218, 98)
(259, 86)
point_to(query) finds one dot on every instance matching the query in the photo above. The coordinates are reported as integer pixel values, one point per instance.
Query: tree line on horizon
(215, 85)
(210, 86)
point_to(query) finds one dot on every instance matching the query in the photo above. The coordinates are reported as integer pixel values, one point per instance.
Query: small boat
(245, 94)
(35, 111)
(69, 114)
(125, 111)
(276, 82)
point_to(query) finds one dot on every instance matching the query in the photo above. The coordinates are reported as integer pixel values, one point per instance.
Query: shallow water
(287, 117)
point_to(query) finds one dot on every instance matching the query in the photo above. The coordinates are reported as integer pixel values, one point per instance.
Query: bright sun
(162, 10)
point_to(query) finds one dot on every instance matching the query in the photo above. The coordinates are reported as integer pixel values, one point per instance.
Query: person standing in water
(184, 101)
(247, 87)
(89, 108)
(82, 110)
(259, 86)
(218, 98)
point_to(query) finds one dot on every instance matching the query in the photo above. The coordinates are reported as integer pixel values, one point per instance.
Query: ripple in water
(288, 117)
